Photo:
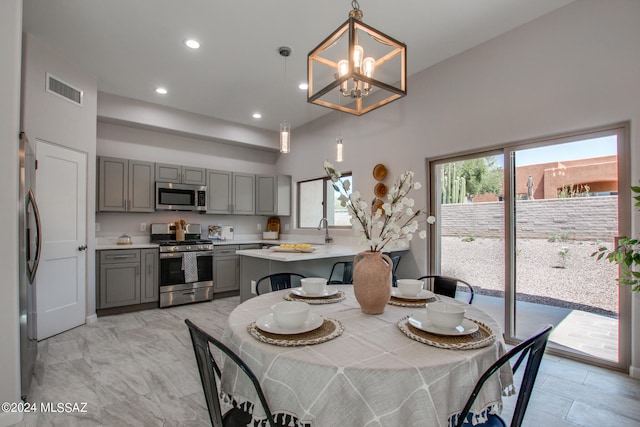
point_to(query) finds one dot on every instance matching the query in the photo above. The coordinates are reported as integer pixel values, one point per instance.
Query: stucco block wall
(583, 218)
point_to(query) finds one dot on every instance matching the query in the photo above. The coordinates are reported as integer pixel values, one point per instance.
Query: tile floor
(138, 369)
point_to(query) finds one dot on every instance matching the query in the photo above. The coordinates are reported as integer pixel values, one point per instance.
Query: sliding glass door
(526, 242)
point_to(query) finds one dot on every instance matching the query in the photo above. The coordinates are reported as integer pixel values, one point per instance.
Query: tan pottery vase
(372, 281)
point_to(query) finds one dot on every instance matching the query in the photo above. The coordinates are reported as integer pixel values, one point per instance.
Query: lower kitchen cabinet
(127, 277)
(226, 267)
(149, 284)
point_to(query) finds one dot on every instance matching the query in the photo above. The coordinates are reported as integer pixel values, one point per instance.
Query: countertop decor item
(379, 172)
(124, 240)
(180, 225)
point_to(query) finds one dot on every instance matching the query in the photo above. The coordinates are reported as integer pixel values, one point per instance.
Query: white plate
(395, 292)
(268, 324)
(329, 291)
(421, 321)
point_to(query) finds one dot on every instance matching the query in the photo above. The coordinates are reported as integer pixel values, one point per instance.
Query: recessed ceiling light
(193, 44)
(257, 115)
(161, 90)
(303, 86)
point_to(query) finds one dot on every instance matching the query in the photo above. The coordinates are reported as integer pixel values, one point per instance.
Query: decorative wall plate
(379, 172)
(380, 190)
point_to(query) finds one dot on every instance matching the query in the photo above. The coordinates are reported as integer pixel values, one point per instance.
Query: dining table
(359, 369)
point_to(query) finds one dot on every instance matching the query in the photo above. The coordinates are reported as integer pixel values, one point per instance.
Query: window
(317, 199)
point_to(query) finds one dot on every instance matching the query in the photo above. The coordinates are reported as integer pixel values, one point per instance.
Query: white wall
(10, 45)
(575, 68)
(128, 111)
(53, 119)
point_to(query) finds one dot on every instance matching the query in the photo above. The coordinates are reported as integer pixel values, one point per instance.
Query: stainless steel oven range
(186, 266)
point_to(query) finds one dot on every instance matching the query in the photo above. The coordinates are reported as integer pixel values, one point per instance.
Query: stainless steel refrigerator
(28, 264)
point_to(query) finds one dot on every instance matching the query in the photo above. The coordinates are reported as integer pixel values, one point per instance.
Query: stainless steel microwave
(180, 197)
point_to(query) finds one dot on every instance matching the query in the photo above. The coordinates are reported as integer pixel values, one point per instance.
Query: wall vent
(63, 90)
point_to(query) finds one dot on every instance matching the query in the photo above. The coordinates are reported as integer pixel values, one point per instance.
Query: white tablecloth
(372, 375)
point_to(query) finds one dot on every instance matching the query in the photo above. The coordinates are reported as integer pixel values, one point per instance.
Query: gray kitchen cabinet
(273, 195)
(226, 269)
(127, 277)
(244, 191)
(119, 280)
(180, 174)
(149, 281)
(230, 192)
(125, 185)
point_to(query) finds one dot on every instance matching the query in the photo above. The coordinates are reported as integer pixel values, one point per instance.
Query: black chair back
(395, 260)
(448, 286)
(278, 281)
(347, 273)
(532, 347)
(209, 370)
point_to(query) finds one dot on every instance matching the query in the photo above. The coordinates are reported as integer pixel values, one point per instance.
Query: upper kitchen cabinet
(230, 192)
(125, 185)
(273, 195)
(180, 174)
(244, 193)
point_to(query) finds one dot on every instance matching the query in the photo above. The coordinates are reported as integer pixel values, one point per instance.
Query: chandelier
(364, 65)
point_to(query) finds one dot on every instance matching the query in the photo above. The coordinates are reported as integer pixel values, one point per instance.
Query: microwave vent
(64, 90)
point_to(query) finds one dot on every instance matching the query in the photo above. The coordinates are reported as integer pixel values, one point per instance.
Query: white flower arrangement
(393, 224)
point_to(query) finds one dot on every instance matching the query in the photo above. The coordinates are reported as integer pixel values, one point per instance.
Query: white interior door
(61, 183)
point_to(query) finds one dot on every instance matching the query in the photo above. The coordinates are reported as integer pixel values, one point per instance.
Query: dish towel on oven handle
(190, 266)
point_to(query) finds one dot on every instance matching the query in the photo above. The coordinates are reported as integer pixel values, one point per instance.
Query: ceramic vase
(372, 281)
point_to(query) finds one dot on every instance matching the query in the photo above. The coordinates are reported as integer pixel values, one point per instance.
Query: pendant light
(285, 127)
(359, 62)
(339, 150)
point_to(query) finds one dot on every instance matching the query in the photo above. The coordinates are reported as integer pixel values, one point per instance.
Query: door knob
(82, 248)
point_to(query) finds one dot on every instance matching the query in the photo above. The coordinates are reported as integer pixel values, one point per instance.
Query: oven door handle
(165, 255)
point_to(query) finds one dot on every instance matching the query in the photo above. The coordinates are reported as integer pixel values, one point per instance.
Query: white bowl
(409, 287)
(445, 315)
(290, 314)
(313, 285)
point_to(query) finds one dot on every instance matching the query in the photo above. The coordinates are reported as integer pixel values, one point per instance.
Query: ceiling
(132, 47)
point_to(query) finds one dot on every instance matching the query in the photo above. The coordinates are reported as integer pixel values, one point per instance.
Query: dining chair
(347, 273)
(278, 281)
(395, 260)
(209, 371)
(448, 286)
(533, 349)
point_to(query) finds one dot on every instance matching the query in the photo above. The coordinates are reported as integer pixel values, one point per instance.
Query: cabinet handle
(120, 256)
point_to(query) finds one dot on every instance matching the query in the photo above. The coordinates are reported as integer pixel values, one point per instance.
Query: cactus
(463, 190)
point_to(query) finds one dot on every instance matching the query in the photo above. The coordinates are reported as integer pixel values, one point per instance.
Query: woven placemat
(329, 330)
(337, 297)
(404, 302)
(480, 338)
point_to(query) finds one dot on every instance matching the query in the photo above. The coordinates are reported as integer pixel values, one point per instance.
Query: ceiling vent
(64, 90)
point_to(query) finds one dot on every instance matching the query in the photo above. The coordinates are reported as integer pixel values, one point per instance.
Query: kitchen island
(257, 263)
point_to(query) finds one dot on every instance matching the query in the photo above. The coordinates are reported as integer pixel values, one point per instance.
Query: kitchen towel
(190, 266)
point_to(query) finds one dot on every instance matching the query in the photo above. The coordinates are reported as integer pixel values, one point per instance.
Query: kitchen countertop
(108, 246)
(321, 251)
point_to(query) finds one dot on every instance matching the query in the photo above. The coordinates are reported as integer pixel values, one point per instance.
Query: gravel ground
(577, 281)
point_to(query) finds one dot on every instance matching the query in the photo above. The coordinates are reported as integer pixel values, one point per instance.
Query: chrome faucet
(327, 238)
